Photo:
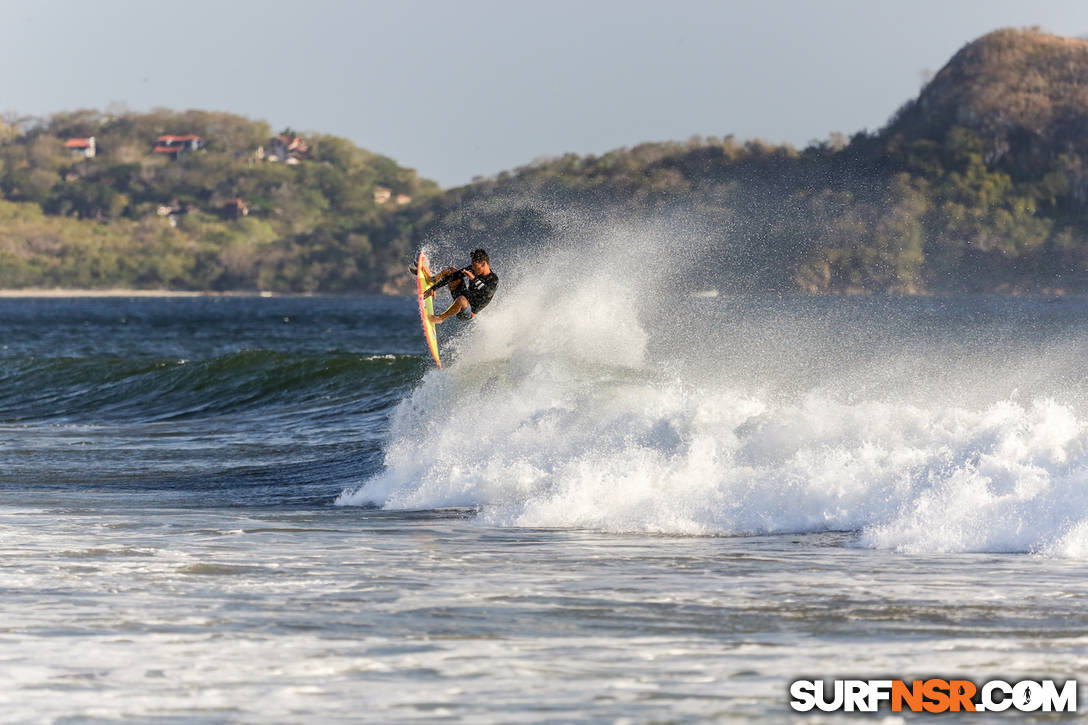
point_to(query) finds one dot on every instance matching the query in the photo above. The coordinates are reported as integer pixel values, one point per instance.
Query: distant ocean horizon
(128, 292)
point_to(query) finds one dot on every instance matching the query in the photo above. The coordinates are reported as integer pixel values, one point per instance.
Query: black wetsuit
(478, 291)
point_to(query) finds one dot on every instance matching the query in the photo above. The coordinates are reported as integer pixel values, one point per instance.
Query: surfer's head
(481, 263)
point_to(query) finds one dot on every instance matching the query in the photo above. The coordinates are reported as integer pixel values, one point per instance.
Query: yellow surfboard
(426, 307)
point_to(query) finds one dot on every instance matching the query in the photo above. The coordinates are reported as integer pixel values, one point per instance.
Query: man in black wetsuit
(471, 287)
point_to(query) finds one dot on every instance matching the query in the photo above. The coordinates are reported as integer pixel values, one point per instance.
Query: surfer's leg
(459, 304)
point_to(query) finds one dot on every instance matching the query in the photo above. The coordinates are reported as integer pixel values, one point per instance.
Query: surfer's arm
(446, 276)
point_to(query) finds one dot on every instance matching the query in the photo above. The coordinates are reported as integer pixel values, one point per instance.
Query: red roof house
(175, 146)
(81, 147)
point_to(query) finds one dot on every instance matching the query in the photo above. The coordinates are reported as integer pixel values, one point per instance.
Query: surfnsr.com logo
(933, 695)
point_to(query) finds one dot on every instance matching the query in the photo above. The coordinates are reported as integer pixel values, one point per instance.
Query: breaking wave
(598, 392)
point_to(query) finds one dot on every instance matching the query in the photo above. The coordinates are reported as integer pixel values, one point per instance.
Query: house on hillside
(176, 146)
(383, 195)
(289, 149)
(81, 148)
(173, 211)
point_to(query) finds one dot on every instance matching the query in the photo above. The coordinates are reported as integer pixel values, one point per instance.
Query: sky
(465, 88)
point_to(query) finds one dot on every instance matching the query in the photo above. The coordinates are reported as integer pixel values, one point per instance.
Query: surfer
(471, 287)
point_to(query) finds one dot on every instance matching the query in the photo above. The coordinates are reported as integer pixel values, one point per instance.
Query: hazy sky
(456, 89)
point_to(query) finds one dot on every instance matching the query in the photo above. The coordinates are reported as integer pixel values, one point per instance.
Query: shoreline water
(169, 469)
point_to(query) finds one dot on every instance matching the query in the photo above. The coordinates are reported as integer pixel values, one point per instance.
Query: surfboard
(426, 307)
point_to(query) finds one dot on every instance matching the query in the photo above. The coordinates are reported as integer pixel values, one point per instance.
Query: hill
(1023, 92)
(978, 184)
(194, 200)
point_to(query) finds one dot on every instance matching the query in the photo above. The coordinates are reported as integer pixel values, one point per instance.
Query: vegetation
(131, 217)
(979, 184)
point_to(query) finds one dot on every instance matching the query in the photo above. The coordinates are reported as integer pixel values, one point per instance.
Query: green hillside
(229, 214)
(979, 184)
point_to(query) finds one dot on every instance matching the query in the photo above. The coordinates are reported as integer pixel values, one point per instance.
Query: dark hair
(479, 255)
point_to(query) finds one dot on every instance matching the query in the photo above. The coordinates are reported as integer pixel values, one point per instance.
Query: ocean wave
(110, 388)
(659, 458)
(614, 406)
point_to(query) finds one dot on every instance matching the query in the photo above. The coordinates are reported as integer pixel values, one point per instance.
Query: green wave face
(110, 388)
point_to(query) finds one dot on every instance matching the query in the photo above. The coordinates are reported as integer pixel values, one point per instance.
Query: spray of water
(604, 389)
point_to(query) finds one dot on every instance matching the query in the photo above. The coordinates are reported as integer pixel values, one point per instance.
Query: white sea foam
(601, 406)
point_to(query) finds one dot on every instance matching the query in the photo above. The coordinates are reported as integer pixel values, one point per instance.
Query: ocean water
(616, 504)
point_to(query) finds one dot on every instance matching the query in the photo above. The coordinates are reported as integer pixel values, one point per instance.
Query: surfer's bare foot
(433, 319)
